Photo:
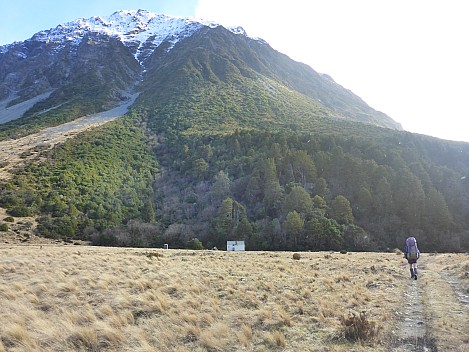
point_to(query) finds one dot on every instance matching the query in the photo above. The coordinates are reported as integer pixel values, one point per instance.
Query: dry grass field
(81, 298)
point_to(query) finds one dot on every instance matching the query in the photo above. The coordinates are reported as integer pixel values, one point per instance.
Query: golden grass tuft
(214, 338)
(191, 333)
(82, 317)
(245, 335)
(263, 316)
(275, 339)
(17, 335)
(206, 319)
(8, 293)
(84, 338)
(161, 302)
(357, 327)
(109, 337)
(190, 318)
(122, 319)
(284, 316)
(105, 312)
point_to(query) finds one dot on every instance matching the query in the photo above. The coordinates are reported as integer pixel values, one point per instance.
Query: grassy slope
(217, 82)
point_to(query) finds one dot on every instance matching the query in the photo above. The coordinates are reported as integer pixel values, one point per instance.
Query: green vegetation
(305, 192)
(195, 244)
(100, 180)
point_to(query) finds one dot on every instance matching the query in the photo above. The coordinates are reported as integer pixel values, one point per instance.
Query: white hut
(235, 246)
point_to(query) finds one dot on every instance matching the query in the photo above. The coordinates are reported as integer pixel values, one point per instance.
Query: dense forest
(137, 182)
(303, 191)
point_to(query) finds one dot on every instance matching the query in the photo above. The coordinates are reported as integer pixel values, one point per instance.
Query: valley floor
(75, 298)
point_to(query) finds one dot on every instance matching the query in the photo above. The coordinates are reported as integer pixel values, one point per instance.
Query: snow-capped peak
(137, 29)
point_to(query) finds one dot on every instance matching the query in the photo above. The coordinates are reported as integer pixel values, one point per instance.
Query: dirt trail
(435, 315)
(14, 153)
(411, 334)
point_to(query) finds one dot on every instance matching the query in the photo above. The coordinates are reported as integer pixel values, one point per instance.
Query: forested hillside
(277, 190)
(310, 191)
(94, 182)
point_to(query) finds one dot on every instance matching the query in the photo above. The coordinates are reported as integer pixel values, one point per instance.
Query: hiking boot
(412, 274)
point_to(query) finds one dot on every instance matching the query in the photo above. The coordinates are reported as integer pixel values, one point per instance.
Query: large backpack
(412, 251)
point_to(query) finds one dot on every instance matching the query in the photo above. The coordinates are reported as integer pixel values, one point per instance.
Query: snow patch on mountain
(142, 31)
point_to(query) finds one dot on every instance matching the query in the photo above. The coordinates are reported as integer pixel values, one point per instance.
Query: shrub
(275, 339)
(106, 238)
(9, 219)
(152, 255)
(195, 244)
(357, 327)
(4, 227)
(296, 256)
(20, 211)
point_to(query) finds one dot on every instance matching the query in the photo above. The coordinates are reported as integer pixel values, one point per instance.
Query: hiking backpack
(412, 251)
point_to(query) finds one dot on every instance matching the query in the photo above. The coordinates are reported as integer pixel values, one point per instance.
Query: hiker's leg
(414, 265)
(411, 271)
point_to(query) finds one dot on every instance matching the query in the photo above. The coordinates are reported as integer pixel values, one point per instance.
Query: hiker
(412, 254)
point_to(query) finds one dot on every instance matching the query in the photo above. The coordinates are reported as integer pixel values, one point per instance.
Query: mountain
(226, 138)
(88, 65)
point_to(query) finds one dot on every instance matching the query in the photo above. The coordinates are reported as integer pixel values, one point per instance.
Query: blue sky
(408, 59)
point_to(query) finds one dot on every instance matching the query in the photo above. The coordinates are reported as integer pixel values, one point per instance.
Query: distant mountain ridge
(138, 30)
(88, 65)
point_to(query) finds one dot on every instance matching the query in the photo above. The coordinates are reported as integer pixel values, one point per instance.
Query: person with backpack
(412, 254)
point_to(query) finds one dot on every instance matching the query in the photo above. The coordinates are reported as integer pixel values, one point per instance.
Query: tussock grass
(357, 327)
(284, 316)
(275, 339)
(215, 337)
(16, 335)
(83, 337)
(59, 298)
(245, 335)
